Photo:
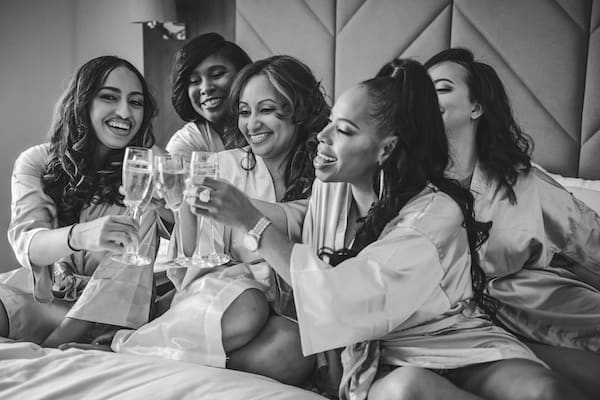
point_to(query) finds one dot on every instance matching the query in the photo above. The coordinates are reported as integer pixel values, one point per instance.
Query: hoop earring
(381, 183)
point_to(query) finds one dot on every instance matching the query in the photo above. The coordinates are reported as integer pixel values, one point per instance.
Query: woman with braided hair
(388, 268)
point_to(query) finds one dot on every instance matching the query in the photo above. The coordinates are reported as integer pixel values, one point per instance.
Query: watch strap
(259, 228)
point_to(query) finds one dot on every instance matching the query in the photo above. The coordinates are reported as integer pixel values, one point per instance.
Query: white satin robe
(403, 300)
(556, 303)
(191, 329)
(192, 138)
(114, 293)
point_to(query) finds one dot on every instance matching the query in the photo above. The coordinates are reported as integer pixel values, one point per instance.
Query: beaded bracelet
(69, 236)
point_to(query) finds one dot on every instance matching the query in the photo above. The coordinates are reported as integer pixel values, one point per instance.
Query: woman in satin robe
(203, 72)
(541, 259)
(388, 268)
(68, 216)
(220, 316)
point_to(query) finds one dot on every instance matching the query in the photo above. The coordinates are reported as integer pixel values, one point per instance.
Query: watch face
(250, 242)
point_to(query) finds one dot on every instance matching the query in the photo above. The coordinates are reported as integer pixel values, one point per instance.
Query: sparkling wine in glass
(204, 164)
(137, 179)
(171, 175)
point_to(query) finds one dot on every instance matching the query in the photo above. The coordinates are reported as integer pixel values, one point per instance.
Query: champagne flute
(201, 165)
(171, 175)
(137, 179)
(215, 258)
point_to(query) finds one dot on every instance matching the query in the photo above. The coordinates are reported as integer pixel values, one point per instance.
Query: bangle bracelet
(69, 236)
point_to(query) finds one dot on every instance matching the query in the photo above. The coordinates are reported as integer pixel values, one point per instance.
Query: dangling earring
(381, 183)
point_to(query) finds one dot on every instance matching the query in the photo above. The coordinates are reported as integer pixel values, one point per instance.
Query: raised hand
(222, 202)
(110, 233)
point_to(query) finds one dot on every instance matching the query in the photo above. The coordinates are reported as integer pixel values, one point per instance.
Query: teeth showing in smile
(258, 137)
(323, 159)
(212, 102)
(118, 125)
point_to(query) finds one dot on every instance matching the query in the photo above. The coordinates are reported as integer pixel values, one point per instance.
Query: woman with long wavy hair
(68, 214)
(388, 268)
(541, 260)
(237, 316)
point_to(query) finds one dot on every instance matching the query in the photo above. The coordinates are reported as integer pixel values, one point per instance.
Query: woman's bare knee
(402, 383)
(549, 387)
(275, 352)
(414, 383)
(244, 319)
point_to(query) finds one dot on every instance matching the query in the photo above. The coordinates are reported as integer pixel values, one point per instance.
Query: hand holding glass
(137, 179)
(205, 164)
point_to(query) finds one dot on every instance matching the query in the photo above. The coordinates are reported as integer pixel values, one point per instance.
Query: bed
(345, 41)
(31, 372)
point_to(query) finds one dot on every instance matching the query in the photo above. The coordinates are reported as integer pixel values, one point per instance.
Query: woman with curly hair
(202, 75)
(542, 256)
(388, 267)
(279, 106)
(68, 214)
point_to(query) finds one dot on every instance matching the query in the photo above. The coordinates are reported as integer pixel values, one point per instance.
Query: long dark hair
(403, 101)
(503, 149)
(187, 59)
(72, 179)
(304, 103)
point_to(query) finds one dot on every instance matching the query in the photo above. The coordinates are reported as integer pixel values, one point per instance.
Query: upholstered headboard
(546, 51)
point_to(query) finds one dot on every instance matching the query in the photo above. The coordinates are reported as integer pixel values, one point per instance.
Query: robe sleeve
(294, 214)
(364, 297)
(31, 212)
(571, 228)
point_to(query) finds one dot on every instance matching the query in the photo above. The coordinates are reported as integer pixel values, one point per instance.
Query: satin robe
(406, 299)
(108, 292)
(190, 138)
(553, 300)
(191, 329)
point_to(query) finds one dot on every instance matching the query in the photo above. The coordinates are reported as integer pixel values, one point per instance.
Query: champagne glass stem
(198, 251)
(178, 237)
(213, 249)
(134, 247)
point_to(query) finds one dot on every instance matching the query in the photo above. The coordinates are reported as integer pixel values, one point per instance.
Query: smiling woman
(68, 215)
(203, 72)
(117, 110)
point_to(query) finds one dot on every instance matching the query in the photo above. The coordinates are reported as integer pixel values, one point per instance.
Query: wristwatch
(252, 238)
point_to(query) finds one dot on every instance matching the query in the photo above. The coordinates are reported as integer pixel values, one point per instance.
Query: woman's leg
(275, 352)
(577, 366)
(24, 319)
(515, 379)
(245, 317)
(413, 383)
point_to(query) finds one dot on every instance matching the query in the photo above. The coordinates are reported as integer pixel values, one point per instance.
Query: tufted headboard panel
(547, 52)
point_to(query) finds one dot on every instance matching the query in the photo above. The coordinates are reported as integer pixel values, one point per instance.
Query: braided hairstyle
(72, 179)
(503, 149)
(187, 59)
(304, 103)
(403, 101)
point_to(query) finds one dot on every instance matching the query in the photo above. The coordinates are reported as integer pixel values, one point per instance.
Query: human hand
(105, 338)
(223, 202)
(110, 233)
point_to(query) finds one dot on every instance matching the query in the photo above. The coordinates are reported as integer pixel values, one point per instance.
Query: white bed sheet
(28, 371)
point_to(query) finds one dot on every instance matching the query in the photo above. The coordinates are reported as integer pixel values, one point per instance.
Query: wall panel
(589, 163)
(300, 28)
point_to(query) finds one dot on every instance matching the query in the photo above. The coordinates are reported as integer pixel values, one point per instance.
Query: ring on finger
(204, 196)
